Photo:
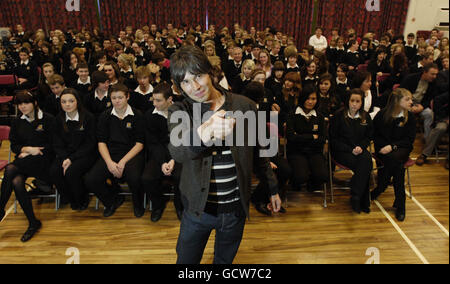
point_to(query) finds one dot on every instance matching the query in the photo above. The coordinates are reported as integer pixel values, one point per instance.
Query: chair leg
(409, 183)
(15, 206)
(57, 199)
(331, 179)
(325, 195)
(96, 204)
(145, 200)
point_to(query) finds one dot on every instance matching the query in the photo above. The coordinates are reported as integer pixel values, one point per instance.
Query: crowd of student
(93, 109)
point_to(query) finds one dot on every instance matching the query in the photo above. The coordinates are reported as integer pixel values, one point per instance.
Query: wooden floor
(308, 233)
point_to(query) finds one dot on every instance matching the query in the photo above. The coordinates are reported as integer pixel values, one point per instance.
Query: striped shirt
(223, 196)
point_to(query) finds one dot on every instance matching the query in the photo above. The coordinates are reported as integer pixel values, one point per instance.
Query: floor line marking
(400, 231)
(428, 213)
(7, 213)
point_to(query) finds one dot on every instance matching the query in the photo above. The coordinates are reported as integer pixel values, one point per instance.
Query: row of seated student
(305, 114)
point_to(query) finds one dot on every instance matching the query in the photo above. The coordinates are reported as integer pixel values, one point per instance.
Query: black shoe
(400, 215)
(157, 214)
(2, 215)
(32, 230)
(84, 205)
(365, 210)
(374, 194)
(139, 212)
(262, 208)
(282, 210)
(356, 206)
(446, 165)
(109, 211)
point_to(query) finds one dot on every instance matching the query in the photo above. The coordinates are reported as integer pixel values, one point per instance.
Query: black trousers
(153, 181)
(71, 185)
(361, 165)
(96, 181)
(308, 167)
(261, 194)
(394, 167)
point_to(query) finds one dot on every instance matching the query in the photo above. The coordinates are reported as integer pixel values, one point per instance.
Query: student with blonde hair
(127, 67)
(394, 134)
(244, 77)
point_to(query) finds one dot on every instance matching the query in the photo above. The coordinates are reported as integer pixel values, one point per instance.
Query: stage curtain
(345, 14)
(47, 14)
(291, 17)
(116, 14)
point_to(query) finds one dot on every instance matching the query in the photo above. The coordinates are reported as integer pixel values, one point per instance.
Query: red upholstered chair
(362, 67)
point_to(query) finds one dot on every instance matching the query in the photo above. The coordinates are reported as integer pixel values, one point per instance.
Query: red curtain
(345, 14)
(291, 17)
(116, 14)
(47, 14)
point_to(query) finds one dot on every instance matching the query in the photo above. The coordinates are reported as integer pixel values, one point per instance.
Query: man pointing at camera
(216, 178)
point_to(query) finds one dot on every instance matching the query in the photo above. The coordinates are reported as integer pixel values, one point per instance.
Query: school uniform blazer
(29, 72)
(38, 133)
(78, 140)
(392, 133)
(412, 81)
(197, 160)
(346, 133)
(157, 137)
(300, 131)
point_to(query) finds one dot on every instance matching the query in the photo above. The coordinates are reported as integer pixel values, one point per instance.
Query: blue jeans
(195, 232)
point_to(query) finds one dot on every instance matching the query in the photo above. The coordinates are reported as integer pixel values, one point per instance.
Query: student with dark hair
(30, 137)
(121, 138)
(309, 75)
(26, 71)
(160, 165)
(113, 72)
(343, 82)
(352, 57)
(363, 80)
(74, 143)
(52, 103)
(215, 180)
(306, 135)
(329, 100)
(351, 131)
(275, 82)
(394, 134)
(83, 85)
(98, 100)
(43, 89)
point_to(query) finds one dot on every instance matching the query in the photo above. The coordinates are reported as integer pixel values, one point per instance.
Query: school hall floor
(307, 233)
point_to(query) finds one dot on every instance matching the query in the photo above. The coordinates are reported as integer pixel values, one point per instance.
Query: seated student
(351, 131)
(275, 52)
(83, 85)
(365, 51)
(292, 57)
(330, 101)
(264, 62)
(112, 70)
(339, 55)
(275, 82)
(343, 83)
(394, 134)
(260, 197)
(127, 67)
(266, 101)
(52, 103)
(318, 41)
(142, 97)
(69, 73)
(44, 90)
(242, 80)
(410, 48)
(171, 46)
(100, 60)
(160, 164)
(98, 100)
(352, 58)
(26, 71)
(164, 66)
(423, 87)
(427, 58)
(74, 143)
(120, 135)
(309, 75)
(30, 137)
(142, 57)
(363, 81)
(292, 88)
(421, 49)
(306, 135)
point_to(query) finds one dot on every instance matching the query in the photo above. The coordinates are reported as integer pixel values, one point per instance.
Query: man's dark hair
(429, 66)
(119, 88)
(188, 59)
(164, 89)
